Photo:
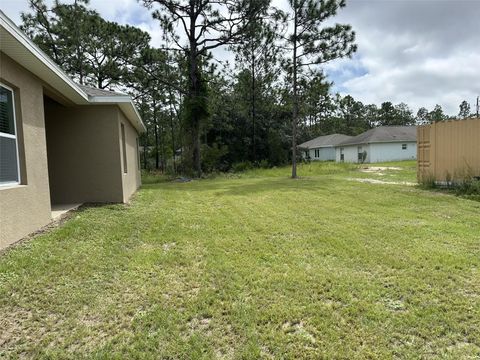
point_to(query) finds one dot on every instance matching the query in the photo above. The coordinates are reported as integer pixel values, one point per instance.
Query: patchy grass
(258, 266)
(401, 171)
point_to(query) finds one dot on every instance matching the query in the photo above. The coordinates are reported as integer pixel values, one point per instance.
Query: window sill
(12, 186)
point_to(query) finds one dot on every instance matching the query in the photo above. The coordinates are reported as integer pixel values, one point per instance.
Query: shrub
(428, 182)
(469, 188)
(242, 166)
(449, 180)
(154, 177)
(212, 158)
(363, 156)
(263, 164)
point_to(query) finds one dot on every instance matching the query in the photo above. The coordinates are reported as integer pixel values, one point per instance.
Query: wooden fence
(448, 150)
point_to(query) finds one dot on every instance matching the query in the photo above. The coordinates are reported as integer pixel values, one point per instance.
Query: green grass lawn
(249, 266)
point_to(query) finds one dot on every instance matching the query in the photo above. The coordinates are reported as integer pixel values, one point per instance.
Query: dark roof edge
(378, 142)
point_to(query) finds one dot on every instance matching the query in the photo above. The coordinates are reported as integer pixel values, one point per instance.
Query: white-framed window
(9, 160)
(404, 146)
(124, 148)
(342, 154)
(360, 153)
(317, 153)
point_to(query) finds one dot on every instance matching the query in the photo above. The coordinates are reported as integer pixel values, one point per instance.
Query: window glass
(8, 160)
(7, 122)
(9, 172)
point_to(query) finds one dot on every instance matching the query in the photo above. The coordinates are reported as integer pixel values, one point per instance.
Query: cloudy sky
(422, 52)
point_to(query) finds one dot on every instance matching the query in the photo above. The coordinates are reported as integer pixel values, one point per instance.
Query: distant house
(61, 144)
(322, 148)
(381, 144)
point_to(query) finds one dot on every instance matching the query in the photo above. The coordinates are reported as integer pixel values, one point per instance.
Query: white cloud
(421, 52)
(12, 9)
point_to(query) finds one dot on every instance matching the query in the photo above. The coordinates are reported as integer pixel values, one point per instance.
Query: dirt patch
(371, 169)
(381, 182)
(463, 346)
(202, 324)
(394, 305)
(12, 326)
(224, 354)
(168, 246)
(298, 328)
(379, 170)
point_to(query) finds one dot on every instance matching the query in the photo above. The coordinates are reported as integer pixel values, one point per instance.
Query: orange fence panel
(448, 150)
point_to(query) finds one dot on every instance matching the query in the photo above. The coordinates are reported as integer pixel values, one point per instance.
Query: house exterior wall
(131, 180)
(26, 207)
(382, 152)
(378, 152)
(449, 149)
(66, 155)
(350, 153)
(84, 160)
(326, 154)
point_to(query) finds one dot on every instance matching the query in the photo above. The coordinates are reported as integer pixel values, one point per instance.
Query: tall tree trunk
(173, 111)
(196, 148)
(145, 150)
(172, 130)
(163, 159)
(77, 46)
(194, 91)
(254, 135)
(195, 125)
(145, 142)
(295, 96)
(157, 155)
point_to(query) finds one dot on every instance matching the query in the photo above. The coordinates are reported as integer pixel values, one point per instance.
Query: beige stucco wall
(68, 154)
(25, 208)
(132, 178)
(83, 153)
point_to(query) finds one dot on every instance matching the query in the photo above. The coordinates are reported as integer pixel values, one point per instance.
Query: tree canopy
(203, 114)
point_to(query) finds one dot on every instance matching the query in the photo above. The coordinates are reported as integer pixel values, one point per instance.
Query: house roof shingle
(91, 91)
(324, 141)
(383, 134)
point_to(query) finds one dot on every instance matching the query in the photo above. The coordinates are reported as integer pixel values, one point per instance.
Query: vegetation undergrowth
(468, 188)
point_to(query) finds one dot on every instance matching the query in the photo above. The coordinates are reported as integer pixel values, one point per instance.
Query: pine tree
(436, 114)
(464, 110)
(207, 25)
(422, 117)
(258, 55)
(311, 44)
(93, 51)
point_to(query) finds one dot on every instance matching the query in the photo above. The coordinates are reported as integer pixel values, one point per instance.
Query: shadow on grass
(245, 187)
